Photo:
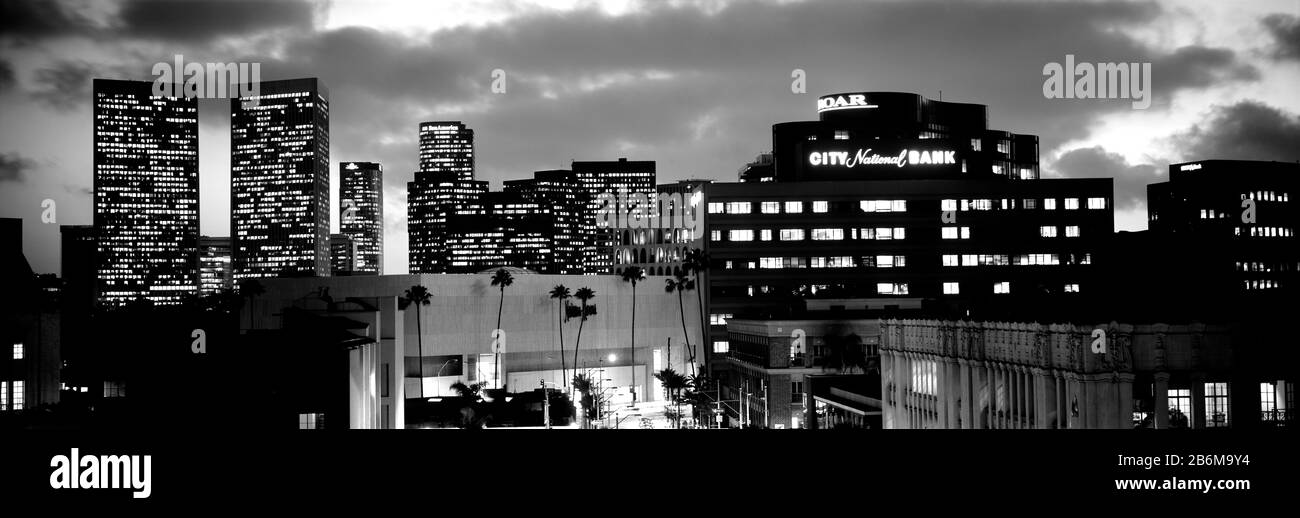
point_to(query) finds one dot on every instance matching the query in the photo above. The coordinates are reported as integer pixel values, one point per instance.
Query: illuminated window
(891, 261)
(948, 205)
(719, 319)
(4, 395)
(955, 232)
(739, 207)
(1096, 203)
(1029, 203)
(771, 207)
(1071, 288)
(828, 234)
(1216, 405)
(841, 135)
(765, 234)
(313, 421)
(1071, 204)
(1002, 287)
(740, 235)
(891, 288)
(883, 205)
(721, 346)
(793, 207)
(17, 395)
(1047, 231)
(951, 288)
(1072, 231)
(18, 351)
(1267, 401)
(925, 377)
(715, 207)
(715, 235)
(821, 207)
(975, 144)
(792, 234)
(1180, 408)
(951, 260)
(1049, 203)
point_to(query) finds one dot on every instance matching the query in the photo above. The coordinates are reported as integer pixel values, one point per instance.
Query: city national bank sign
(869, 157)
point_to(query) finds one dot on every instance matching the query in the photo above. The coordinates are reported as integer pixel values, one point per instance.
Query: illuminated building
(444, 180)
(279, 181)
(447, 146)
(361, 213)
(610, 178)
(30, 340)
(430, 198)
(343, 255)
(501, 229)
(661, 245)
(146, 179)
(214, 265)
(894, 201)
(557, 192)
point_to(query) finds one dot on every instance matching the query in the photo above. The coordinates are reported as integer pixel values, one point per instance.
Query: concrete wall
(463, 312)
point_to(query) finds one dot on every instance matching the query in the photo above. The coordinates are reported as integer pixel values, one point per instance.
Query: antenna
(940, 95)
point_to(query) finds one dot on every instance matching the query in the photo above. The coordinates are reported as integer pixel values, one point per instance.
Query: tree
(501, 279)
(419, 296)
(697, 262)
(673, 383)
(584, 295)
(561, 294)
(680, 283)
(633, 274)
(250, 289)
(584, 384)
(471, 414)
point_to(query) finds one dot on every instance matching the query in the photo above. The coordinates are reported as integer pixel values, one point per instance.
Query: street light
(439, 373)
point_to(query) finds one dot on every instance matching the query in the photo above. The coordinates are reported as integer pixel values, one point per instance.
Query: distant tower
(361, 213)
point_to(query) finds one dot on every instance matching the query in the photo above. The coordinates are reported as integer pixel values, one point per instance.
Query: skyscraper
(146, 165)
(500, 229)
(445, 179)
(447, 146)
(610, 177)
(343, 255)
(361, 213)
(557, 192)
(279, 176)
(214, 265)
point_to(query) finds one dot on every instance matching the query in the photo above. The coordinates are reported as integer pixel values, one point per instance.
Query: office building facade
(279, 181)
(344, 253)
(146, 193)
(620, 179)
(431, 197)
(558, 193)
(215, 273)
(361, 213)
(447, 146)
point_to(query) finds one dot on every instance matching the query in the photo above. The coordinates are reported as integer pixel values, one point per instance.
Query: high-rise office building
(623, 179)
(343, 255)
(447, 146)
(558, 192)
(146, 164)
(361, 213)
(215, 273)
(430, 198)
(444, 180)
(279, 176)
(500, 229)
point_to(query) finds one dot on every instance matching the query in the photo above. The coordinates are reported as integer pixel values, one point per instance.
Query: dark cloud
(14, 167)
(65, 86)
(1285, 29)
(1197, 67)
(1130, 179)
(31, 18)
(1248, 130)
(6, 75)
(198, 20)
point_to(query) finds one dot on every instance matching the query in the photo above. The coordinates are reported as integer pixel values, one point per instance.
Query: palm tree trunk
(419, 340)
(681, 307)
(496, 360)
(633, 343)
(704, 322)
(577, 341)
(562, 366)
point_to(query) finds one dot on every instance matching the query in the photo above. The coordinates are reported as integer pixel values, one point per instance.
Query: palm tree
(250, 289)
(680, 283)
(584, 385)
(470, 417)
(697, 262)
(561, 294)
(673, 383)
(584, 295)
(418, 295)
(633, 274)
(501, 278)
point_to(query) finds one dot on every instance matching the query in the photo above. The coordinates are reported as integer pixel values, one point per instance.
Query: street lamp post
(438, 374)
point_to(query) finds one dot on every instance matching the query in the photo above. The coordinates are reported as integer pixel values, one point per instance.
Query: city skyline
(1199, 89)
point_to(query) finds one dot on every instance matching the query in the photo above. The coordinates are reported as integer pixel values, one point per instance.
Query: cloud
(6, 75)
(1130, 179)
(199, 20)
(33, 19)
(1247, 130)
(14, 167)
(66, 86)
(1285, 29)
(1198, 67)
